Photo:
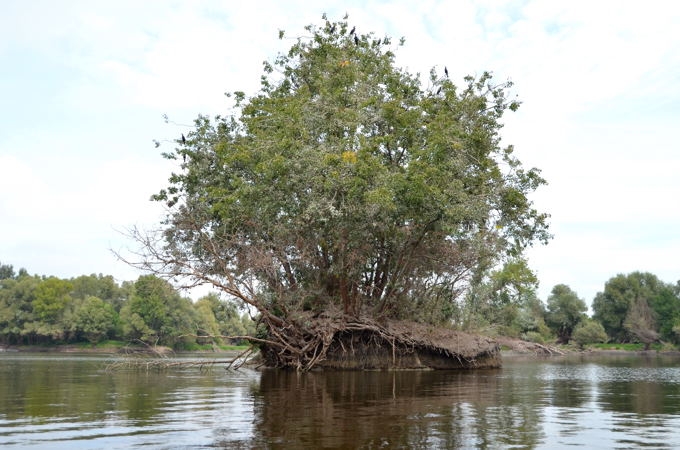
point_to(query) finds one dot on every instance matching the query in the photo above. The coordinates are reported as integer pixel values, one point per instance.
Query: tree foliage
(16, 306)
(101, 286)
(345, 184)
(589, 331)
(46, 310)
(156, 312)
(625, 307)
(666, 307)
(219, 318)
(640, 322)
(51, 298)
(6, 271)
(94, 319)
(565, 311)
(504, 301)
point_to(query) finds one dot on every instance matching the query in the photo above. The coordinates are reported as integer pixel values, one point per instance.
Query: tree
(156, 313)
(565, 311)
(531, 320)
(624, 308)
(506, 300)
(640, 322)
(101, 286)
(512, 287)
(52, 297)
(345, 187)
(207, 323)
(220, 318)
(6, 271)
(666, 307)
(16, 306)
(93, 318)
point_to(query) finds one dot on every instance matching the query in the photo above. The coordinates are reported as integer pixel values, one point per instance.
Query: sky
(85, 87)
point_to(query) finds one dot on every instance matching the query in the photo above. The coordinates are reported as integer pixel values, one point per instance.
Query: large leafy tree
(16, 307)
(565, 311)
(666, 306)
(347, 184)
(94, 319)
(50, 309)
(504, 299)
(156, 313)
(219, 317)
(625, 306)
(100, 286)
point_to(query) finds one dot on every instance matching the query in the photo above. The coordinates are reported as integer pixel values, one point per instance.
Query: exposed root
(307, 342)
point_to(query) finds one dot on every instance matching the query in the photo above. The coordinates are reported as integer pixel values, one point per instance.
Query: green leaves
(637, 306)
(565, 311)
(51, 298)
(156, 312)
(94, 319)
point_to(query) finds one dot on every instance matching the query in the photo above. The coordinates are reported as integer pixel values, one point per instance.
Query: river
(594, 401)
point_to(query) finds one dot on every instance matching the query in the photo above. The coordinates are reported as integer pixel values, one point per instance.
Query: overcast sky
(84, 86)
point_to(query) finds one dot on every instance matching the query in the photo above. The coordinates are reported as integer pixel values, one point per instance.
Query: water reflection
(437, 409)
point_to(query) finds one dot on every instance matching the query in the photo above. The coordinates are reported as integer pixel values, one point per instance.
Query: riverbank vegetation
(93, 310)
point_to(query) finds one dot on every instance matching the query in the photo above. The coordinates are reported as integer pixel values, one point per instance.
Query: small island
(352, 206)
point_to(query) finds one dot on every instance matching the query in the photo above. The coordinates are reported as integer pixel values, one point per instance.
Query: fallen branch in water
(547, 349)
(165, 363)
(521, 346)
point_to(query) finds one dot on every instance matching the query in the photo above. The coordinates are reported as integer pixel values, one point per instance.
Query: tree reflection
(438, 409)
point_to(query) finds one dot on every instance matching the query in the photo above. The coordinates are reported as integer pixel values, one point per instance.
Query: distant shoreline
(588, 352)
(165, 351)
(111, 350)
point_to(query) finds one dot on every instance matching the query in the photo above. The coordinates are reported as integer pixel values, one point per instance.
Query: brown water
(590, 402)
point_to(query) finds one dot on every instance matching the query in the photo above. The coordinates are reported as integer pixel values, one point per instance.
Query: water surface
(581, 401)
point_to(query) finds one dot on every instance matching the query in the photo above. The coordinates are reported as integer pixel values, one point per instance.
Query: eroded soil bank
(369, 345)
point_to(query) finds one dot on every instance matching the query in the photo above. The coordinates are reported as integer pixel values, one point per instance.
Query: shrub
(589, 332)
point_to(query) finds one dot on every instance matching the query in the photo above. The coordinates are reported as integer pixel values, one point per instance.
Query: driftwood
(521, 346)
(165, 363)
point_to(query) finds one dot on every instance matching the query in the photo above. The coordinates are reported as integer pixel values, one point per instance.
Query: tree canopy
(565, 311)
(637, 307)
(346, 183)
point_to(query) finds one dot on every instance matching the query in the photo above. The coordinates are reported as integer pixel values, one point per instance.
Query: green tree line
(632, 308)
(46, 310)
